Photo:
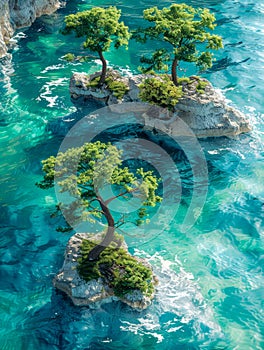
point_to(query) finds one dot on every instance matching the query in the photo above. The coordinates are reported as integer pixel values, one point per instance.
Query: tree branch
(95, 209)
(120, 222)
(96, 199)
(120, 195)
(84, 187)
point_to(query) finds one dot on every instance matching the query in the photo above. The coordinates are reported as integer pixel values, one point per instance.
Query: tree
(101, 27)
(97, 165)
(183, 28)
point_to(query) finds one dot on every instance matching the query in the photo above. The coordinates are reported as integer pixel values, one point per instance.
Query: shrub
(116, 86)
(201, 86)
(184, 80)
(69, 57)
(116, 266)
(160, 91)
(94, 82)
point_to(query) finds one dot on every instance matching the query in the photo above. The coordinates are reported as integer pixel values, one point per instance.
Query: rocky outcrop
(80, 88)
(6, 30)
(95, 291)
(15, 14)
(207, 114)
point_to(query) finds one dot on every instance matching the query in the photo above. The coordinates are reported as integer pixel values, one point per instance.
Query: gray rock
(80, 89)
(207, 114)
(16, 14)
(94, 292)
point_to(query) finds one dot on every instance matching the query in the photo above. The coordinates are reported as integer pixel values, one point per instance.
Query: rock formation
(207, 114)
(83, 293)
(15, 14)
(79, 88)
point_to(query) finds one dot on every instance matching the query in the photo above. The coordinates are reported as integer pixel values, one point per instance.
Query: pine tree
(98, 165)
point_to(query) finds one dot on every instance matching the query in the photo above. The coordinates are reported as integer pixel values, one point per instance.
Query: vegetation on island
(113, 82)
(99, 165)
(101, 27)
(161, 91)
(200, 87)
(70, 57)
(184, 34)
(182, 30)
(117, 267)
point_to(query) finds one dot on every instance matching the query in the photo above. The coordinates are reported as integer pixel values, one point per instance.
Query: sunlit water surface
(211, 287)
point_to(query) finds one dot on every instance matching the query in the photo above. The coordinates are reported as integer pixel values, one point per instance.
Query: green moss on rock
(118, 88)
(184, 80)
(200, 84)
(113, 83)
(161, 91)
(200, 88)
(118, 268)
(94, 82)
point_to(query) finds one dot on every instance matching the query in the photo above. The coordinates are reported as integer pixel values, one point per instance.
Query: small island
(116, 275)
(184, 33)
(99, 266)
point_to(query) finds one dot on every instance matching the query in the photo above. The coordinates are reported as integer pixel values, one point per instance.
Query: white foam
(178, 294)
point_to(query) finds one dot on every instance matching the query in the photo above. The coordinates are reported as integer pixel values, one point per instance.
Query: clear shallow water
(211, 281)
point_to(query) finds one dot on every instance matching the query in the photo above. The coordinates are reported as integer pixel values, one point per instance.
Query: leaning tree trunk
(109, 237)
(104, 66)
(174, 71)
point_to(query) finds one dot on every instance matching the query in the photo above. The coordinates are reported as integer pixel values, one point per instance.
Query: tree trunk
(174, 71)
(109, 237)
(104, 66)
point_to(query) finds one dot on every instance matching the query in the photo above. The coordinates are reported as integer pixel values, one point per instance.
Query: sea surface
(211, 290)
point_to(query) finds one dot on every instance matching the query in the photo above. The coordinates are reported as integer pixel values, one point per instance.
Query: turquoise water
(211, 288)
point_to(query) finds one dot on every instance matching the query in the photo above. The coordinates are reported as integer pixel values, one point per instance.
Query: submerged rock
(207, 113)
(98, 290)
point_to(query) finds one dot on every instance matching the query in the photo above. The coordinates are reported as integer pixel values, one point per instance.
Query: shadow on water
(224, 63)
(222, 21)
(61, 325)
(61, 125)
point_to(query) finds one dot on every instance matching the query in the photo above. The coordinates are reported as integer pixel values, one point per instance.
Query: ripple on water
(179, 315)
(211, 279)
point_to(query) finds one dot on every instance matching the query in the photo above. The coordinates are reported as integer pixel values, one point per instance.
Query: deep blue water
(211, 287)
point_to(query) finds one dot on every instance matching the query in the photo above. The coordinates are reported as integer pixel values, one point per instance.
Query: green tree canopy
(183, 28)
(98, 165)
(101, 27)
